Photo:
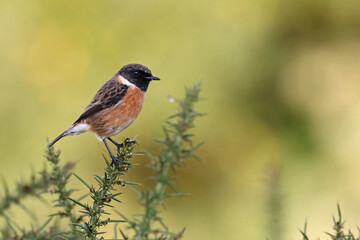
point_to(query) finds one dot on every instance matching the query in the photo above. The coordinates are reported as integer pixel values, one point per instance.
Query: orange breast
(113, 120)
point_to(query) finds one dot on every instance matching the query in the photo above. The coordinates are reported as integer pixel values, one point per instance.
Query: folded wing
(108, 96)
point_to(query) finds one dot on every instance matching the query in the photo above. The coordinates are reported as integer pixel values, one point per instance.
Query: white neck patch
(126, 82)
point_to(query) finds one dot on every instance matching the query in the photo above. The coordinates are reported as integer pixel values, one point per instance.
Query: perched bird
(115, 106)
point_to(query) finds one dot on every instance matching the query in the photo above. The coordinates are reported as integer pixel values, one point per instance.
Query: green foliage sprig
(177, 146)
(83, 225)
(103, 195)
(53, 182)
(59, 179)
(338, 228)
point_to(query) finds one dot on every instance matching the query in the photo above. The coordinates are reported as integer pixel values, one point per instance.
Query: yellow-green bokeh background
(281, 82)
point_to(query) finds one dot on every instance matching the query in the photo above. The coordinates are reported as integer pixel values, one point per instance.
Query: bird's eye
(136, 73)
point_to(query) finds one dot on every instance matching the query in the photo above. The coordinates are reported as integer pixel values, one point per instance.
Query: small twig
(103, 194)
(177, 146)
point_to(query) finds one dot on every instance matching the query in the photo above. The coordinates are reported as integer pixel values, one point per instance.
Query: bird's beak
(152, 78)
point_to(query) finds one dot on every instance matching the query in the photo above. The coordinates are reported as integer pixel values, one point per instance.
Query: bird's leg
(118, 145)
(114, 159)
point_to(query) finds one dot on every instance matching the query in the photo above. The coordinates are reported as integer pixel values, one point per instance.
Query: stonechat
(115, 106)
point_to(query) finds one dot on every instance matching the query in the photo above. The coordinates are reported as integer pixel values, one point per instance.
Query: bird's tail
(75, 129)
(58, 138)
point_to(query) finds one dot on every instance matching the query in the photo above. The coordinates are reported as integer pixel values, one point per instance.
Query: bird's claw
(118, 162)
(128, 143)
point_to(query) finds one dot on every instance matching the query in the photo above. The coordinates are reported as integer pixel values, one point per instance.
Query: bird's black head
(138, 75)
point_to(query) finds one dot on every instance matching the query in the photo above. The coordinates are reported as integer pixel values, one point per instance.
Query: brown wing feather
(109, 95)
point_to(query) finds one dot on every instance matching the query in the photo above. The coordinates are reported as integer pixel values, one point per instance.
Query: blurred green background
(281, 88)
